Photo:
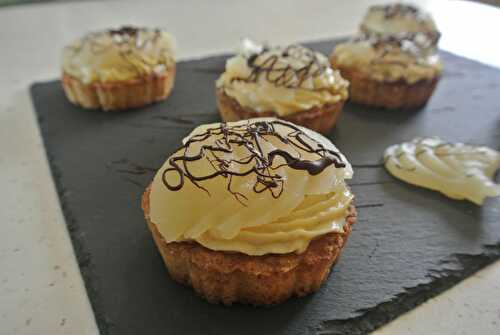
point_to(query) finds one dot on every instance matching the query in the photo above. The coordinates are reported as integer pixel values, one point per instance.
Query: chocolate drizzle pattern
(250, 136)
(286, 67)
(125, 31)
(128, 41)
(120, 37)
(399, 10)
(416, 45)
(391, 11)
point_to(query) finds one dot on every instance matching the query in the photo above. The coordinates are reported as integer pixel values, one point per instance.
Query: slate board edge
(463, 265)
(82, 255)
(440, 281)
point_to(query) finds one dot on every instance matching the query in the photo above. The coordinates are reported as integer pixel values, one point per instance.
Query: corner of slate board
(408, 245)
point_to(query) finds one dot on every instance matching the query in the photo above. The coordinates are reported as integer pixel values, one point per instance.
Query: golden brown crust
(319, 118)
(391, 95)
(115, 96)
(229, 277)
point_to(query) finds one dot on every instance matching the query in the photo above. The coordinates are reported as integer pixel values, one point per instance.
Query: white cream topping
(119, 55)
(283, 80)
(254, 223)
(458, 170)
(389, 59)
(399, 18)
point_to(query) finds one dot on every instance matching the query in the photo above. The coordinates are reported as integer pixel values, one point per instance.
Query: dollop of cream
(119, 55)
(399, 18)
(389, 59)
(228, 213)
(291, 79)
(457, 170)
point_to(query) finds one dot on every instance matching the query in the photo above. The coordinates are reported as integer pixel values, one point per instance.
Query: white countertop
(41, 290)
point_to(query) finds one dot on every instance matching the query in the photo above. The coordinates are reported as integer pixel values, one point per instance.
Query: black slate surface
(409, 243)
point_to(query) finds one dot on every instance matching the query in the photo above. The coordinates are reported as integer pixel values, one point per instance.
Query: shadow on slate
(409, 243)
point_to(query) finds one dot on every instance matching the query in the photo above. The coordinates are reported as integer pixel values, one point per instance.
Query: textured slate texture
(409, 243)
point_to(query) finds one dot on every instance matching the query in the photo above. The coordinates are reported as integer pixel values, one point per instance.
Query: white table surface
(41, 290)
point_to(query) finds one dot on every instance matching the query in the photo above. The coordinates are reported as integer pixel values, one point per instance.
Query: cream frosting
(119, 55)
(252, 213)
(458, 170)
(390, 58)
(399, 18)
(284, 80)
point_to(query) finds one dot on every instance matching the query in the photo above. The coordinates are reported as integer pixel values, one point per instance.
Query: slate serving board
(409, 243)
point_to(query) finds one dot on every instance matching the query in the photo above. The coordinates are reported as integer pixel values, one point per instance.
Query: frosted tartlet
(397, 18)
(253, 211)
(391, 71)
(292, 83)
(119, 69)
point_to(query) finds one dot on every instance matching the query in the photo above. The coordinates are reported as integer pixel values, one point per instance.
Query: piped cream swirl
(405, 57)
(236, 212)
(458, 170)
(399, 18)
(284, 80)
(119, 55)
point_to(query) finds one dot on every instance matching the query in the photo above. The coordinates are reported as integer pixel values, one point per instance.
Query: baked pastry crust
(319, 118)
(113, 96)
(229, 277)
(384, 94)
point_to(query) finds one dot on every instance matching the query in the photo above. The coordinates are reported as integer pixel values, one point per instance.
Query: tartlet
(119, 69)
(396, 71)
(396, 18)
(253, 211)
(292, 83)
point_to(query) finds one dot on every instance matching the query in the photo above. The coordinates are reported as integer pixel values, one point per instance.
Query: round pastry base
(390, 95)
(230, 277)
(120, 95)
(319, 118)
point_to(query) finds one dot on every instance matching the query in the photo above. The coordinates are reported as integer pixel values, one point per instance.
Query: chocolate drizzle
(250, 137)
(399, 9)
(125, 30)
(393, 11)
(277, 66)
(128, 42)
(416, 45)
